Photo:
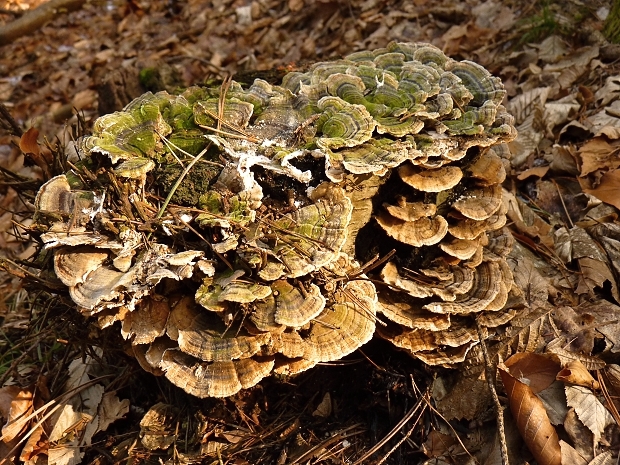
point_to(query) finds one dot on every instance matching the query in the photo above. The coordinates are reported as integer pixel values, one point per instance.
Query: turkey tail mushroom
(276, 197)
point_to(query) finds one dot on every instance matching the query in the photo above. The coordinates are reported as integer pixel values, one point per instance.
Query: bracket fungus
(238, 232)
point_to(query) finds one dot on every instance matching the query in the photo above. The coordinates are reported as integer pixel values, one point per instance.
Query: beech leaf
(589, 410)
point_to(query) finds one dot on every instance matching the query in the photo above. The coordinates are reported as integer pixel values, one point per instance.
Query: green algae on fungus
(194, 185)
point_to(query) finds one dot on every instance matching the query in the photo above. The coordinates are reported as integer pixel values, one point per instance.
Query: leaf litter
(562, 188)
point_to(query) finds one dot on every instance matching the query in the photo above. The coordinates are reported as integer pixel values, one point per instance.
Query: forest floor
(377, 405)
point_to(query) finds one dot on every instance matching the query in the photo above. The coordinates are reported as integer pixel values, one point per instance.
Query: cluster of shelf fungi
(234, 233)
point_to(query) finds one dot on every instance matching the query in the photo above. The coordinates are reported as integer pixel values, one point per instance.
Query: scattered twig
(408, 416)
(12, 124)
(55, 405)
(489, 370)
(34, 19)
(570, 221)
(610, 404)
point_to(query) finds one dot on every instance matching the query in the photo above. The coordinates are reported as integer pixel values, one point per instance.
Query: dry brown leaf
(609, 92)
(589, 409)
(234, 436)
(599, 154)
(576, 373)
(538, 171)
(539, 370)
(111, 409)
(438, 443)
(554, 400)
(29, 145)
(552, 49)
(532, 420)
(570, 455)
(37, 444)
(83, 415)
(324, 409)
(28, 142)
(607, 188)
(556, 347)
(17, 421)
(581, 437)
(606, 458)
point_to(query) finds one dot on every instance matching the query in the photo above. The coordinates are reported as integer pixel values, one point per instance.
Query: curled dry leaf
(532, 420)
(540, 370)
(576, 373)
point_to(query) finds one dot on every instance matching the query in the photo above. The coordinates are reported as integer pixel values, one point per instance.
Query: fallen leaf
(576, 373)
(598, 153)
(17, 421)
(609, 92)
(324, 409)
(111, 409)
(538, 171)
(37, 444)
(532, 420)
(589, 409)
(156, 430)
(538, 371)
(581, 437)
(233, 436)
(570, 455)
(552, 49)
(608, 188)
(28, 142)
(605, 458)
(437, 444)
(29, 145)
(554, 400)
(65, 455)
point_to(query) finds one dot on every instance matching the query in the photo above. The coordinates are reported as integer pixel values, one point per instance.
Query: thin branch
(489, 369)
(34, 19)
(6, 115)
